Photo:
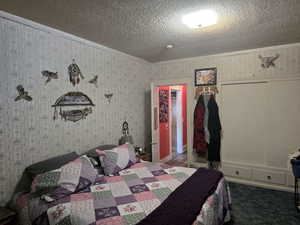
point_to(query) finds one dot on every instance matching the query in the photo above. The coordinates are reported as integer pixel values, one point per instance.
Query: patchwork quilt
(124, 199)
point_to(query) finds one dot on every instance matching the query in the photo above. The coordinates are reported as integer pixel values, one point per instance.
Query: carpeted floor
(258, 206)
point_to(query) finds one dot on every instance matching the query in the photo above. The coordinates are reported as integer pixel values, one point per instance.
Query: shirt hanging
(214, 127)
(199, 143)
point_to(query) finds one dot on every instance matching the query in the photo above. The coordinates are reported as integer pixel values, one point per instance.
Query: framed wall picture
(207, 76)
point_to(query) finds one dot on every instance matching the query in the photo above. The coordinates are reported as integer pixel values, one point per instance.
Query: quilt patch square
(126, 172)
(139, 188)
(58, 213)
(158, 172)
(86, 211)
(149, 180)
(104, 203)
(70, 173)
(172, 184)
(180, 176)
(131, 208)
(125, 199)
(106, 212)
(133, 218)
(154, 167)
(115, 220)
(81, 197)
(149, 205)
(48, 179)
(186, 170)
(102, 195)
(164, 177)
(134, 182)
(100, 187)
(114, 179)
(147, 195)
(143, 172)
(155, 185)
(119, 189)
(171, 170)
(130, 177)
(162, 193)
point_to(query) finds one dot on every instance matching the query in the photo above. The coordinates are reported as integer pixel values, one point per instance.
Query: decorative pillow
(94, 157)
(117, 159)
(70, 178)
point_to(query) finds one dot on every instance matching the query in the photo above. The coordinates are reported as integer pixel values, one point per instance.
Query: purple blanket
(185, 203)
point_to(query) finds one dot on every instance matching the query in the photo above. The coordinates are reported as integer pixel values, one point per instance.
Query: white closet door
(243, 117)
(284, 121)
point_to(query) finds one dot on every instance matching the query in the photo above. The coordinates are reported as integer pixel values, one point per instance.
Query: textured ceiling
(143, 27)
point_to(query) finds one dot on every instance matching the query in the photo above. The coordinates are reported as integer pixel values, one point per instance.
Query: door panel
(184, 113)
(244, 123)
(154, 123)
(164, 121)
(284, 121)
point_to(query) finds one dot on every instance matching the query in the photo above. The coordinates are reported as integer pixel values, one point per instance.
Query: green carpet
(258, 206)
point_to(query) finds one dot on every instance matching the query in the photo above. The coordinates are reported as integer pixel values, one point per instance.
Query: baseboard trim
(259, 184)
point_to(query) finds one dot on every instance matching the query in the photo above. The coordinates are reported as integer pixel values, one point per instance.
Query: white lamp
(202, 18)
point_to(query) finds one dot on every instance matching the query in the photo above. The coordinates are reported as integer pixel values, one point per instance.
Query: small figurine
(94, 81)
(266, 62)
(74, 73)
(125, 128)
(50, 75)
(22, 94)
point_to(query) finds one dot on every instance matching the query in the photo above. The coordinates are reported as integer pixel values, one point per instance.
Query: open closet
(207, 127)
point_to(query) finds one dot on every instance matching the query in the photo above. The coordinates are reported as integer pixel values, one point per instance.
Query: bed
(142, 193)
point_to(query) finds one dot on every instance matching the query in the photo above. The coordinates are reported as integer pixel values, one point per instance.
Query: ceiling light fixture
(169, 46)
(202, 18)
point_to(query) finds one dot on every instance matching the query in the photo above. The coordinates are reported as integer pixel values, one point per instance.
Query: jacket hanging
(199, 143)
(214, 127)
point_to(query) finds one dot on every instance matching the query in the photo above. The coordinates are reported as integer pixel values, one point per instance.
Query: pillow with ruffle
(117, 159)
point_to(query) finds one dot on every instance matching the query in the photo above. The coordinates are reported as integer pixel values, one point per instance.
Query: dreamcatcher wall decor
(71, 100)
(74, 73)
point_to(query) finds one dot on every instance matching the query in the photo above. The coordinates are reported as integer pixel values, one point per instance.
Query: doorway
(178, 121)
(170, 122)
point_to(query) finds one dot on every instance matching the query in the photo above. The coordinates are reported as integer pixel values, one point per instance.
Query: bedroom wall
(236, 66)
(245, 66)
(28, 133)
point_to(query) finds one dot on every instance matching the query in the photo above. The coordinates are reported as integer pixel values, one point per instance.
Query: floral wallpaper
(28, 133)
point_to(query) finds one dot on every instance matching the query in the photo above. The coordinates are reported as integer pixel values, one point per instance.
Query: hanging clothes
(214, 127)
(199, 143)
(206, 115)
